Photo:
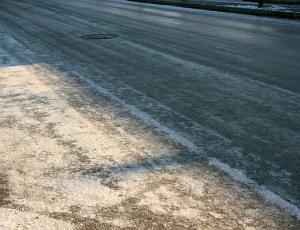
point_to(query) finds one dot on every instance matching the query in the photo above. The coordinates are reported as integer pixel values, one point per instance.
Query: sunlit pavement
(140, 130)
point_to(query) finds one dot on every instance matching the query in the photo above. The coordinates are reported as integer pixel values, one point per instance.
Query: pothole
(99, 36)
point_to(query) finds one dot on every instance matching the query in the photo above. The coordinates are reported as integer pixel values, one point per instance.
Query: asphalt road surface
(224, 86)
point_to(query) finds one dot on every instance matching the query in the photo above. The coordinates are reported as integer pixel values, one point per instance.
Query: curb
(231, 9)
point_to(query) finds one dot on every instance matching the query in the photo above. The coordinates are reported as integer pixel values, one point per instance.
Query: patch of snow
(254, 7)
(15, 219)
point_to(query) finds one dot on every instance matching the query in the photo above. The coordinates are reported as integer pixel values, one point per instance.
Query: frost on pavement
(72, 159)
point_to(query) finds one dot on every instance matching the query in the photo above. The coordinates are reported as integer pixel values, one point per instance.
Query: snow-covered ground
(72, 158)
(132, 132)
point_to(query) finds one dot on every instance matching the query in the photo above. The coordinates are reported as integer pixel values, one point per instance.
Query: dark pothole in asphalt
(98, 36)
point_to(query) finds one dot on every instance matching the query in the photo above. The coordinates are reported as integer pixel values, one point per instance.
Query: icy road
(180, 119)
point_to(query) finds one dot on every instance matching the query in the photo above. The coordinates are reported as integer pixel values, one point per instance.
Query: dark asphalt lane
(228, 83)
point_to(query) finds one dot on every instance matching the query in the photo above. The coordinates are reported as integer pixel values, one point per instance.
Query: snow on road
(72, 158)
(114, 134)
